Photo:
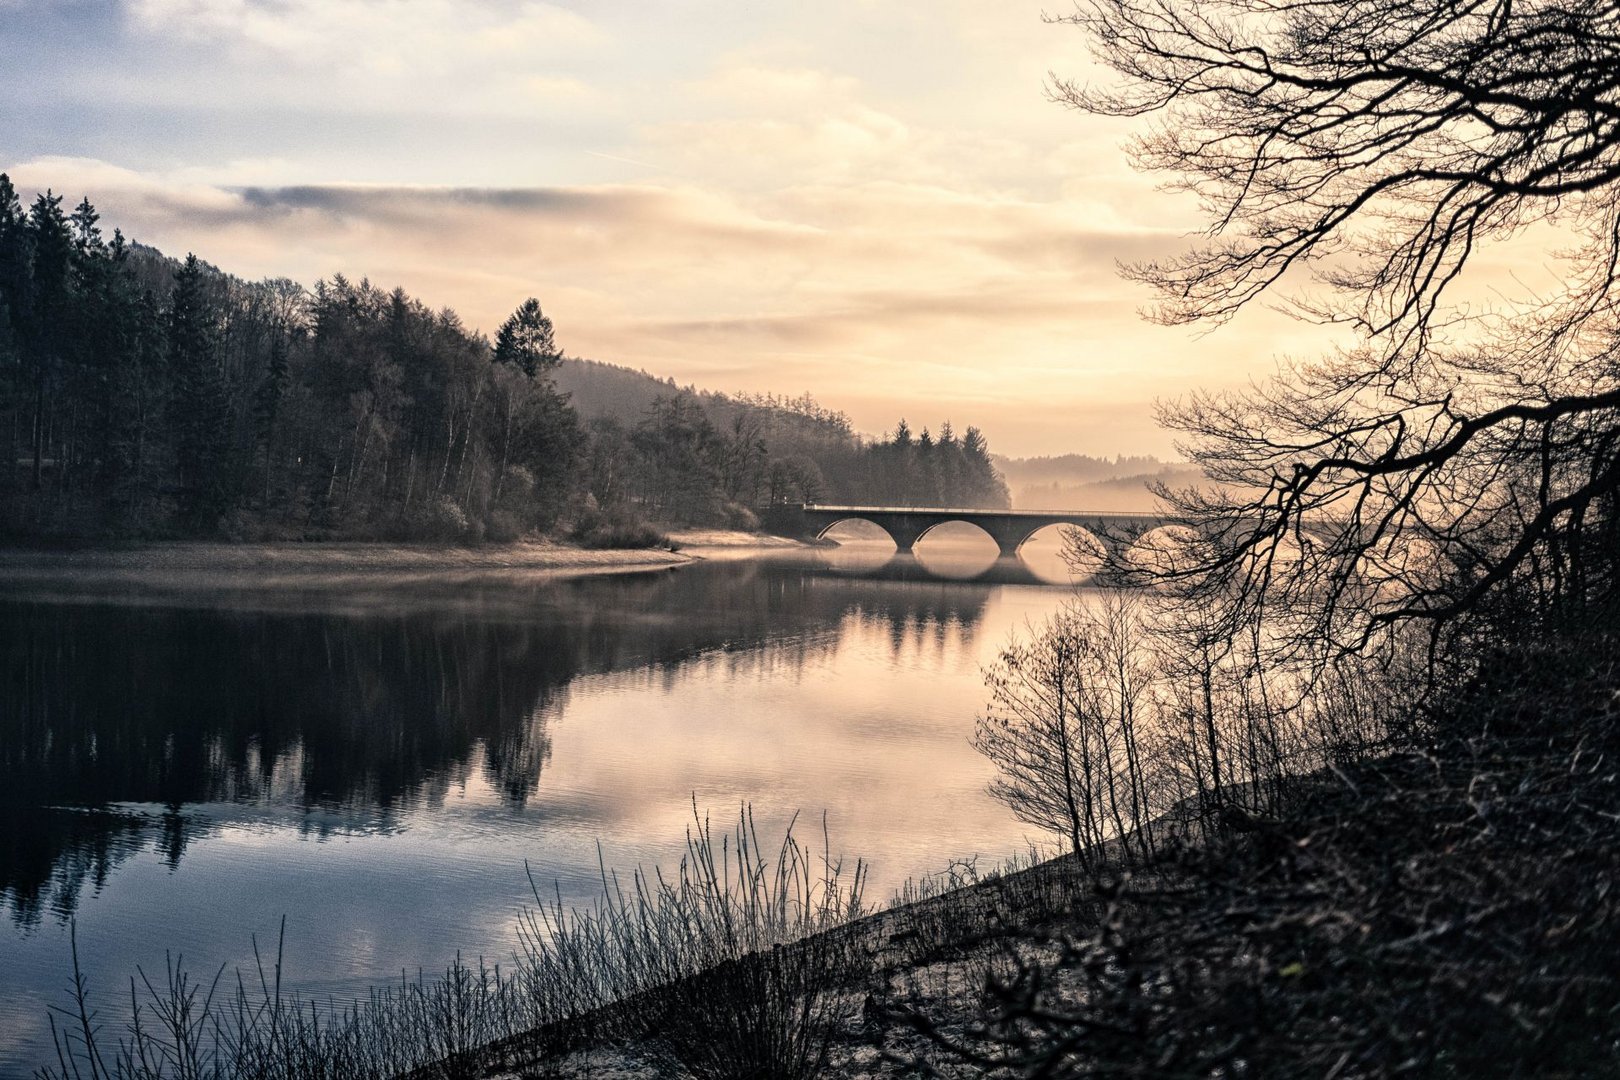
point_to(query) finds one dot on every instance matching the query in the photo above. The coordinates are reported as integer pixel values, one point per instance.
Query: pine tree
(197, 411)
(528, 340)
(53, 305)
(16, 265)
(16, 304)
(102, 337)
(86, 234)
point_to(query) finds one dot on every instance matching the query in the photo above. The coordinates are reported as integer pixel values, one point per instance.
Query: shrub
(180, 1027)
(438, 518)
(504, 527)
(603, 529)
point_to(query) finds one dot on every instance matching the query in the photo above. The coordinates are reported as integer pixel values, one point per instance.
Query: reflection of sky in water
(600, 708)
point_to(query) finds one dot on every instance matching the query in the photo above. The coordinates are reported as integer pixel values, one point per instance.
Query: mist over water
(178, 770)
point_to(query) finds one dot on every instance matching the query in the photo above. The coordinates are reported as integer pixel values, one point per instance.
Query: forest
(143, 397)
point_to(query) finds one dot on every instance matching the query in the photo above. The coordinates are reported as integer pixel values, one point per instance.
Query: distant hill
(1060, 482)
(598, 389)
(1081, 482)
(788, 426)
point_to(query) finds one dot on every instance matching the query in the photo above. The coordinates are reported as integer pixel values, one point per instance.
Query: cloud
(394, 57)
(406, 203)
(872, 202)
(882, 298)
(392, 36)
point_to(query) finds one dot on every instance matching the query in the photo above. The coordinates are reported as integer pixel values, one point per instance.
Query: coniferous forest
(142, 397)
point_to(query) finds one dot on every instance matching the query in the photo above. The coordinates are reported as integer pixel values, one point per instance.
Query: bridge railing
(819, 508)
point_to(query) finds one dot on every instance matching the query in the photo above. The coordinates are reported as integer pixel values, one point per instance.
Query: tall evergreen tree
(16, 266)
(527, 340)
(47, 340)
(86, 233)
(197, 410)
(16, 303)
(103, 335)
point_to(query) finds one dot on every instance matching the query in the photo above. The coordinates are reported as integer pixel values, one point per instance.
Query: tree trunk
(39, 429)
(410, 479)
(1067, 762)
(1208, 681)
(449, 447)
(506, 447)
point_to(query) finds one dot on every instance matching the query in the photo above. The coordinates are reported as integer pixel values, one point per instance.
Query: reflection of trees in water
(106, 705)
(48, 856)
(930, 637)
(123, 704)
(354, 717)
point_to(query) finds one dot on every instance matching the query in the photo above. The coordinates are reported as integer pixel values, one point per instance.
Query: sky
(870, 200)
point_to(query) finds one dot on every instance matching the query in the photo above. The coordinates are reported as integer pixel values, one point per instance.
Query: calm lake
(179, 769)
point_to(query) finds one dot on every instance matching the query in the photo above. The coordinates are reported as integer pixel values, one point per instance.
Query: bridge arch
(935, 526)
(1062, 531)
(849, 520)
(965, 551)
(1053, 546)
(854, 518)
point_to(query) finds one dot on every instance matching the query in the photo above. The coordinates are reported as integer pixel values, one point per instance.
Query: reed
(724, 969)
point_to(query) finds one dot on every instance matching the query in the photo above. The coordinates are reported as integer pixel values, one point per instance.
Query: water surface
(179, 769)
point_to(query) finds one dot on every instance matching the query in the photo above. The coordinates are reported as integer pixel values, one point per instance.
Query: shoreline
(188, 566)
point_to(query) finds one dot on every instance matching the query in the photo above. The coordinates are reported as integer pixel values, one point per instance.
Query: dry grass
(724, 969)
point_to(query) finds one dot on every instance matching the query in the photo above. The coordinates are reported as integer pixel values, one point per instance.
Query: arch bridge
(1008, 528)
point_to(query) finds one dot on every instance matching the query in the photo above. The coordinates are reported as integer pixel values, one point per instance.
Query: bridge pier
(905, 536)
(1009, 540)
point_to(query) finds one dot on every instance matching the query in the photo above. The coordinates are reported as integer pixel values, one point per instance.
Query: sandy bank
(192, 567)
(277, 562)
(730, 539)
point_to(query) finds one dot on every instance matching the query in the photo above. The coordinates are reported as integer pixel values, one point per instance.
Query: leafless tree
(1375, 148)
(1065, 728)
(1034, 733)
(1123, 673)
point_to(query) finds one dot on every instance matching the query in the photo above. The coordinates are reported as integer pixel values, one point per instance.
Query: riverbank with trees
(143, 397)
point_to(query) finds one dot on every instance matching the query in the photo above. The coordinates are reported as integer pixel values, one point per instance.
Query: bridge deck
(979, 511)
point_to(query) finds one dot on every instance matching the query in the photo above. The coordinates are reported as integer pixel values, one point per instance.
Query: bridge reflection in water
(877, 562)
